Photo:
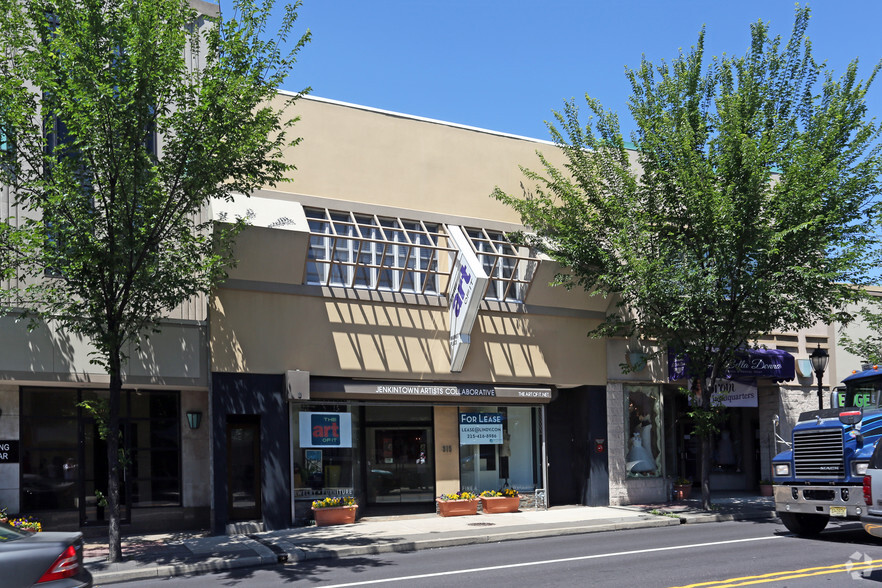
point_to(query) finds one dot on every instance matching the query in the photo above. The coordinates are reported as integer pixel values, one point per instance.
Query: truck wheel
(804, 524)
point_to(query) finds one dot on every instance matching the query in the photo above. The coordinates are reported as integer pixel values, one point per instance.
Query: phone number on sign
(481, 436)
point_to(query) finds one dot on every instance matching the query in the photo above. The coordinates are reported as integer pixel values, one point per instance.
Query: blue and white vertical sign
(468, 282)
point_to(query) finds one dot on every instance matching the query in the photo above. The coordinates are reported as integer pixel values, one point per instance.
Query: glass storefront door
(401, 468)
(243, 470)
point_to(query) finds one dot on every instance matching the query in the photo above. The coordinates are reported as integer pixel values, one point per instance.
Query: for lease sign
(480, 428)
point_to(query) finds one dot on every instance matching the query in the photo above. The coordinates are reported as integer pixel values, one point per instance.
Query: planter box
(496, 504)
(334, 515)
(457, 508)
(766, 490)
(682, 492)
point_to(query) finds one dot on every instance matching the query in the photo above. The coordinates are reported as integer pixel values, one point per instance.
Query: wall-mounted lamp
(194, 418)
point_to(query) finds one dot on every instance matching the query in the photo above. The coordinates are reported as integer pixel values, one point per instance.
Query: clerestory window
(393, 254)
(369, 251)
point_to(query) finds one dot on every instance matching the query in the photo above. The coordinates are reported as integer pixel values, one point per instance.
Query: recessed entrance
(400, 459)
(243, 469)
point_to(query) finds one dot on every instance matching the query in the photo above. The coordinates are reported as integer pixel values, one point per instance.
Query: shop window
(509, 456)
(643, 441)
(64, 461)
(322, 461)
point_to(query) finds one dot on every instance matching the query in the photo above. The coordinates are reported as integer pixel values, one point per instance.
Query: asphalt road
(749, 553)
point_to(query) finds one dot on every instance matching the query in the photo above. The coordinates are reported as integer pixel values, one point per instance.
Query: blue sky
(505, 65)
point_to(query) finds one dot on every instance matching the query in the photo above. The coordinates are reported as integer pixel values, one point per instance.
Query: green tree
(741, 210)
(125, 119)
(869, 347)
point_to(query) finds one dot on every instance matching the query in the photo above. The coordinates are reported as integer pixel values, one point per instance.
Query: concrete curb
(165, 571)
(306, 554)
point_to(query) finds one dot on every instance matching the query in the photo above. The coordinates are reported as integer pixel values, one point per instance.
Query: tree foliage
(869, 347)
(747, 204)
(124, 119)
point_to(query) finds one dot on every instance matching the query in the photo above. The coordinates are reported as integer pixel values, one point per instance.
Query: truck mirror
(851, 417)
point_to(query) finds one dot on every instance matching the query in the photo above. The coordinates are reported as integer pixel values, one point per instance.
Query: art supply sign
(480, 428)
(325, 429)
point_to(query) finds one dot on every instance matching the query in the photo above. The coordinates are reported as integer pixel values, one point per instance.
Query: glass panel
(400, 465)
(45, 403)
(511, 463)
(39, 433)
(644, 440)
(44, 482)
(243, 490)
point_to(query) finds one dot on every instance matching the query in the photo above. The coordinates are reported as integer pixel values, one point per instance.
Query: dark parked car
(47, 560)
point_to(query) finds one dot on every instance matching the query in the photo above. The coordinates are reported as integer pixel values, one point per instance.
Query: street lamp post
(819, 358)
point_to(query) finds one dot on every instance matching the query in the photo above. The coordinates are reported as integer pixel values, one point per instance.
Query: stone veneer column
(10, 473)
(615, 426)
(195, 458)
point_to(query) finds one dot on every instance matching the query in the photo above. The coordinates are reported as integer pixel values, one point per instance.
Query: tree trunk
(704, 396)
(705, 471)
(114, 541)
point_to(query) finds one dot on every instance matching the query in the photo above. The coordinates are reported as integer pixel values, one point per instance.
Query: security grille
(817, 453)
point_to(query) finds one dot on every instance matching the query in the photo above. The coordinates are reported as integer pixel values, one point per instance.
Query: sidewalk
(159, 556)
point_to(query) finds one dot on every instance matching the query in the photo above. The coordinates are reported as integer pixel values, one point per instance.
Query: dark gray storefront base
(578, 466)
(263, 398)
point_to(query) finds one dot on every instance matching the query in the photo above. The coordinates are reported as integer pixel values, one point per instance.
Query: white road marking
(552, 561)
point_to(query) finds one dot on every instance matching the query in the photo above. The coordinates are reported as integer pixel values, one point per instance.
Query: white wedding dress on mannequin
(639, 458)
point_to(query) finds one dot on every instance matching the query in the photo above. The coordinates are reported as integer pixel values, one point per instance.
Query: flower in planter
(458, 496)
(27, 524)
(682, 482)
(331, 502)
(505, 492)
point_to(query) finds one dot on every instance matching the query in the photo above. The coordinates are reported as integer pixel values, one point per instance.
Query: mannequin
(639, 458)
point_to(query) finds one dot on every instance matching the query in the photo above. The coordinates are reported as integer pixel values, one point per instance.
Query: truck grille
(817, 453)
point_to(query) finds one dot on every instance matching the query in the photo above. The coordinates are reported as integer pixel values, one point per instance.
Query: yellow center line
(789, 575)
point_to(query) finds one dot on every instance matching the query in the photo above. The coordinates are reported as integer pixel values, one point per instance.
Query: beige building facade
(341, 307)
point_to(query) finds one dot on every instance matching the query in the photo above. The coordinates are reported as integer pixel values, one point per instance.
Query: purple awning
(773, 364)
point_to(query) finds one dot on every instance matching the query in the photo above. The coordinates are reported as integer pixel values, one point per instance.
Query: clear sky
(505, 65)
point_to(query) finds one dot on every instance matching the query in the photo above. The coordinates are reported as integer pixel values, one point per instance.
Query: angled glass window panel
(408, 283)
(368, 251)
(316, 273)
(338, 277)
(363, 277)
(384, 279)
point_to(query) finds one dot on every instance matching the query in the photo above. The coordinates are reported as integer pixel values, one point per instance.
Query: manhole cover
(481, 524)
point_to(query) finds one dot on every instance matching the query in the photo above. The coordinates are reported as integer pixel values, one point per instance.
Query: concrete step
(245, 527)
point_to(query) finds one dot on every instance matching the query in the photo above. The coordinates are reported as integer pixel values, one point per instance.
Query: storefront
(62, 459)
(396, 446)
(736, 447)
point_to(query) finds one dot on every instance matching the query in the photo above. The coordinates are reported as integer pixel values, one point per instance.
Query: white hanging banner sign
(468, 282)
(735, 394)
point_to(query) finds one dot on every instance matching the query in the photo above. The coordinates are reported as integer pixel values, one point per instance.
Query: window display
(643, 441)
(508, 454)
